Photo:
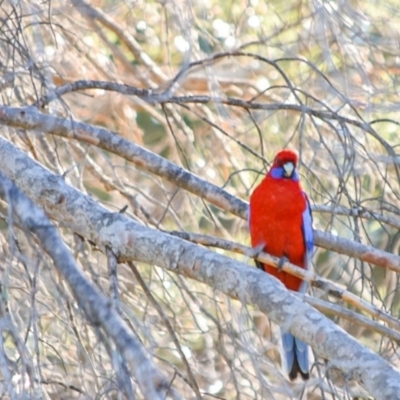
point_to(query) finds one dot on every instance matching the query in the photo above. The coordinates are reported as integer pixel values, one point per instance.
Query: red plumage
(276, 216)
(280, 222)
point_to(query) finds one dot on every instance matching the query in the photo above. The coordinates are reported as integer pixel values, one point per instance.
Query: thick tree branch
(30, 118)
(131, 241)
(306, 275)
(97, 307)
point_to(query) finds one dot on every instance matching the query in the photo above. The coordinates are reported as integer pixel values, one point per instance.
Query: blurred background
(320, 77)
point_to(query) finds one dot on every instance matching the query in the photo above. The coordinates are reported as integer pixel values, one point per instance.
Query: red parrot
(280, 224)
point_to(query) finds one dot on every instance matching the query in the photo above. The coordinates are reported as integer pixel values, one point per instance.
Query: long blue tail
(295, 356)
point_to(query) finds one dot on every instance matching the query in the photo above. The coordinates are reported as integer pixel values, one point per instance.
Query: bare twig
(334, 309)
(112, 273)
(169, 327)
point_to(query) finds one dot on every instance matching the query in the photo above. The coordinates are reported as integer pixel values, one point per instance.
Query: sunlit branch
(31, 118)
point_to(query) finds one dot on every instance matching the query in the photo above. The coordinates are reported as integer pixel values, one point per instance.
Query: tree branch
(306, 275)
(131, 241)
(30, 118)
(97, 307)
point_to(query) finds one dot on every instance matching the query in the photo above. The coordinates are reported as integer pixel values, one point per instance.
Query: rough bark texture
(131, 241)
(30, 118)
(98, 309)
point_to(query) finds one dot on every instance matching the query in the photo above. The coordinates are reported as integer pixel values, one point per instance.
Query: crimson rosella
(281, 224)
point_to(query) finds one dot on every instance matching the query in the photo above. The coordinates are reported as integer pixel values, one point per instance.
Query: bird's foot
(256, 251)
(282, 262)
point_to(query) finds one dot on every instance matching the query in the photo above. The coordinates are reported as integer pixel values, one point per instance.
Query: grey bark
(132, 241)
(98, 309)
(30, 118)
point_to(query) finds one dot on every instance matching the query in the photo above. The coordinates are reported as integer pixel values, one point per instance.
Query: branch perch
(30, 118)
(131, 241)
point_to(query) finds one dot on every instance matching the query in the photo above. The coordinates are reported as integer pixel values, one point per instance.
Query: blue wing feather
(308, 230)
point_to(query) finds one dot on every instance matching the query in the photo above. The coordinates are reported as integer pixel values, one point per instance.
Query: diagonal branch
(97, 307)
(306, 275)
(30, 118)
(131, 241)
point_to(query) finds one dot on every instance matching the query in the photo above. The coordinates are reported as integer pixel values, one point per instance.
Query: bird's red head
(284, 156)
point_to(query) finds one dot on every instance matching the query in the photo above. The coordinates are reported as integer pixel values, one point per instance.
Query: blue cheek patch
(278, 173)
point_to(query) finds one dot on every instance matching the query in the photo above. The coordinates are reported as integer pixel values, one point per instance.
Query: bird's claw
(282, 262)
(256, 251)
